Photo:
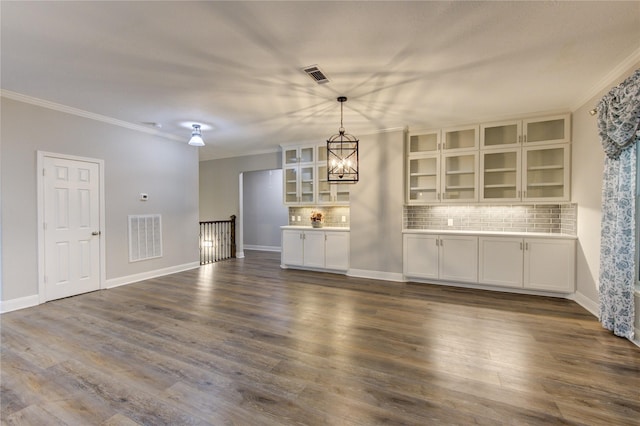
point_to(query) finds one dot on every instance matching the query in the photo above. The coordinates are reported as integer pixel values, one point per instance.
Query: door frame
(41, 155)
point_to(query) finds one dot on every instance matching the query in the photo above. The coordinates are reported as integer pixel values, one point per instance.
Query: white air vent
(145, 237)
(316, 74)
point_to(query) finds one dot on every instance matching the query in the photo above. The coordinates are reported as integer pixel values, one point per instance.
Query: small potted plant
(317, 218)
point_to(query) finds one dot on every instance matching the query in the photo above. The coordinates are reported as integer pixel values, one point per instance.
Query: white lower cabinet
(439, 257)
(546, 264)
(533, 263)
(336, 250)
(315, 249)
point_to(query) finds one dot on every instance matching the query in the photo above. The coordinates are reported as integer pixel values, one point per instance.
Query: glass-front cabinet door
(291, 185)
(460, 177)
(330, 193)
(306, 184)
(423, 179)
(500, 175)
(460, 138)
(299, 170)
(504, 134)
(546, 173)
(423, 142)
(551, 129)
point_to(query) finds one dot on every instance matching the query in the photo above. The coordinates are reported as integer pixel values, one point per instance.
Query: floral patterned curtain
(619, 129)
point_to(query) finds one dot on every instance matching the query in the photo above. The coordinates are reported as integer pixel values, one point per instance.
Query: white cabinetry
(525, 160)
(546, 173)
(315, 249)
(520, 262)
(546, 264)
(305, 178)
(302, 248)
(442, 171)
(440, 257)
(531, 131)
(336, 250)
(298, 173)
(549, 264)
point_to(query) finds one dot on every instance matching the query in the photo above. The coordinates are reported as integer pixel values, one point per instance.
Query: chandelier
(342, 154)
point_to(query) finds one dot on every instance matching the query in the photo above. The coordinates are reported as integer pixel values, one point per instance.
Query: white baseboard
(19, 303)
(586, 303)
(376, 275)
(129, 279)
(262, 248)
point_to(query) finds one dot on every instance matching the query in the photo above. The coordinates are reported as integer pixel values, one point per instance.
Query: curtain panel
(619, 129)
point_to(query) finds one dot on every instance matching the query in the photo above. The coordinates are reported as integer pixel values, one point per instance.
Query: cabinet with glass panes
(531, 131)
(459, 176)
(546, 173)
(500, 172)
(298, 175)
(329, 193)
(460, 138)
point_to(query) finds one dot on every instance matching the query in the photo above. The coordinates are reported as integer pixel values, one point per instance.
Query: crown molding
(85, 114)
(607, 80)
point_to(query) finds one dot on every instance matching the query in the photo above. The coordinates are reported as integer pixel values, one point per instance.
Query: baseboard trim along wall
(30, 301)
(262, 248)
(376, 275)
(19, 303)
(130, 279)
(586, 303)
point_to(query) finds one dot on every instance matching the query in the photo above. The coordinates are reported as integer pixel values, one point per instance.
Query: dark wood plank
(244, 342)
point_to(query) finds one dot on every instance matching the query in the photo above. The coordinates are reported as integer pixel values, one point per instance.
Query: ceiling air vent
(316, 74)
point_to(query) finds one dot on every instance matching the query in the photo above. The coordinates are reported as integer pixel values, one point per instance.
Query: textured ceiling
(236, 66)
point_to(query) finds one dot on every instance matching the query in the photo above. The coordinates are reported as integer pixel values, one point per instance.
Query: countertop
(489, 233)
(311, 228)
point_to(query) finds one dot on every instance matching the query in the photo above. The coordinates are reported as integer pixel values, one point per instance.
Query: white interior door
(71, 224)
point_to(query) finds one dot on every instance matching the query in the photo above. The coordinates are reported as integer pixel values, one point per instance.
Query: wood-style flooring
(243, 342)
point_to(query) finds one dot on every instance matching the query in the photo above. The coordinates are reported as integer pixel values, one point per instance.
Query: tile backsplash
(546, 218)
(332, 215)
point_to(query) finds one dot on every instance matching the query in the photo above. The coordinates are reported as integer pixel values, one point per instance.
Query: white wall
(586, 185)
(219, 186)
(134, 162)
(376, 207)
(263, 212)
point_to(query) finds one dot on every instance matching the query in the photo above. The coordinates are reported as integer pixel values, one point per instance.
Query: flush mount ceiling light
(342, 154)
(196, 136)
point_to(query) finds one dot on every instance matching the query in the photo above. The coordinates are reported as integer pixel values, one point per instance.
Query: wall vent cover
(145, 237)
(316, 74)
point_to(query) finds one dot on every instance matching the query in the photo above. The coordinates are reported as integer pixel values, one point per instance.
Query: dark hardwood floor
(242, 342)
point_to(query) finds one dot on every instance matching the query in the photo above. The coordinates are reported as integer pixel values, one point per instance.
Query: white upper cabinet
(502, 134)
(335, 194)
(547, 130)
(459, 179)
(500, 175)
(299, 175)
(460, 138)
(423, 142)
(532, 131)
(546, 173)
(298, 155)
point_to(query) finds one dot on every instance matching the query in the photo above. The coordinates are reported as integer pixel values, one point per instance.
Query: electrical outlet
(344, 219)
(293, 218)
(450, 222)
(298, 218)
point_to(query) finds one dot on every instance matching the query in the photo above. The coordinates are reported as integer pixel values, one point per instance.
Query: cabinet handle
(520, 139)
(518, 194)
(520, 246)
(526, 246)
(524, 138)
(524, 194)
(437, 243)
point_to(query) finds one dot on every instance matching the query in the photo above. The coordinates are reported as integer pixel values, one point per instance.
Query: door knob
(95, 233)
